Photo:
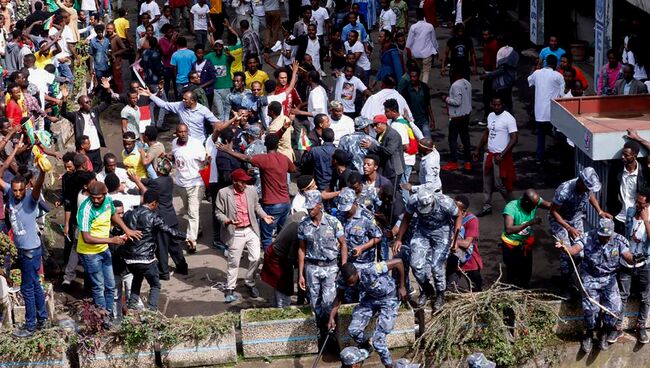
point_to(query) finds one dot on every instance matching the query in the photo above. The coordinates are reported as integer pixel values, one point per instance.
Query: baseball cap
(360, 122)
(335, 104)
(590, 179)
(240, 175)
(605, 227)
(353, 355)
(312, 199)
(220, 42)
(381, 119)
(346, 199)
(253, 130)
(425, 197)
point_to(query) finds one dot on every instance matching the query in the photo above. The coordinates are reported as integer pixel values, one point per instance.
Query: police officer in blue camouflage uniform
(353, 357)
(603, 250)
(255, 146)
(351, 143)
(321, 241)
(378, 297)
(567, 212)
(438, 218)
(367, 196)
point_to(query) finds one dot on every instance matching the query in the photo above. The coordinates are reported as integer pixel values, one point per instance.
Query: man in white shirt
(623, 184)
(341, 124)
(199, 22)
(346, 89)
(189, 155)
(387, 17)
(549, 85)
(317, 101)
(429, 173)
(358, 49)
(110, 166)
(321, 18)
(423, 44)
(459, 103)
(500, 136)
(66, 43)
(151, 7)
(375, 103)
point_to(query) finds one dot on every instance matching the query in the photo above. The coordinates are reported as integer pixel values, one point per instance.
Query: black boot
(439, 302)
(587, 342)
(182, 269)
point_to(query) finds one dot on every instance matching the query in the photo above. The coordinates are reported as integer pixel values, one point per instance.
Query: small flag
(29, 130)
(48, 23)
(304, 144)
(145, 118)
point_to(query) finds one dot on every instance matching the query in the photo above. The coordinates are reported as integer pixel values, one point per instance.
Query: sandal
(191, 246)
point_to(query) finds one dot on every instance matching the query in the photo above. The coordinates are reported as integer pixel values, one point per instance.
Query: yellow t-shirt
(133, 161)
(216, 6)
(260, 76)
(42, 60)
(237, 52)
(96, 221)
(121, 25)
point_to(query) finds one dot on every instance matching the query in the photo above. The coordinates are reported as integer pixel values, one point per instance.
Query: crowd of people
(345, 116)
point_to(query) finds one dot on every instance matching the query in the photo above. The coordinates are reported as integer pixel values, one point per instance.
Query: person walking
(238, 210)
(459, 105)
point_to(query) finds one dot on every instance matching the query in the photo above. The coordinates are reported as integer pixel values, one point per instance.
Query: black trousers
(142, 271)
(217, 23)
(488, 94)
(167, 246)
(95, 157)
(216, 226)
(519, 266)
(459, 127)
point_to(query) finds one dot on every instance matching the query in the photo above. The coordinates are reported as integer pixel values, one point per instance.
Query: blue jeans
(66, 71)
(30, 286)
(279, 212)
(99, 268)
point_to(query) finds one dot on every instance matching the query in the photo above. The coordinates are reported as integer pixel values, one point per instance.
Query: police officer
(436, 213)
(321, 241)
(568, 208)
(350, 143)
(353, 357)
(603, 250)
(361, 232)
(254, 146)
(367, 196)
(378, 296)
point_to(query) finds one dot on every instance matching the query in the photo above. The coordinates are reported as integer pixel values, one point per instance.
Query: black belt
(321, 263)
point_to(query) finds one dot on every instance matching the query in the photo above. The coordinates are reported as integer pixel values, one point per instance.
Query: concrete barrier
(402, 335)
(115, 357)
(53, 360)
(279, 337)
(202, 353)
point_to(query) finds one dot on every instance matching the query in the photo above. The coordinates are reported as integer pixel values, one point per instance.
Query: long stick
(322, 349)
(582, 286)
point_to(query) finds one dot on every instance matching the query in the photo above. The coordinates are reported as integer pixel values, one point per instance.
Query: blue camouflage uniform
(350, 144)
(321, 258)
(359, 230)
(368, 198)
(431, 239)
(598, 273)
(572, 207)
(353, 355)
(256, 147)
(378, 296)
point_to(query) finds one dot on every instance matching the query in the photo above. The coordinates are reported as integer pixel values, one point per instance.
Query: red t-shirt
(274, 168)
(490, 55)
(475, 262)
(13, 112)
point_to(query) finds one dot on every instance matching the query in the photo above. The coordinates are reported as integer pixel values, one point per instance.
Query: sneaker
(450, 166)
(614, 335)
(604, 345)
(643, 336)
(485, 211)
(467, 166)
(42, 324)
(230, 296)
(182, 269)
(255, 293)
(587, 344)
(23, 332)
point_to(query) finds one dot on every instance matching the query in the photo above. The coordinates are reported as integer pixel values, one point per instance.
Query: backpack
(413, 142)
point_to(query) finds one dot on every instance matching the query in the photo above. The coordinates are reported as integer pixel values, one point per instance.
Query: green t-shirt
(401, 10)
(513, 209)
(223, 78)
(96, 221)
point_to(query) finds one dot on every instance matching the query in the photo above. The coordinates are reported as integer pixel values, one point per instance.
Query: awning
(641, 4)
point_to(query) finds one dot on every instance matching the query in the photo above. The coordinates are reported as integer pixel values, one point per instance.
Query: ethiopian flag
(304, 144)
(48, 23)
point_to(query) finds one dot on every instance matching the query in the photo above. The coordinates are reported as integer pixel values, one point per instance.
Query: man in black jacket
(389, 149)
(627, 178)
(140, 255)
(86, 122)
